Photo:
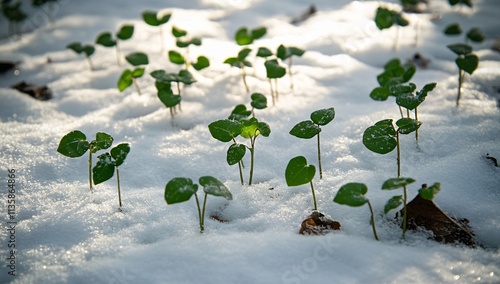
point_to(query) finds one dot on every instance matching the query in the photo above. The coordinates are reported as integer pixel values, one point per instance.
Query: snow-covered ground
(64, 234)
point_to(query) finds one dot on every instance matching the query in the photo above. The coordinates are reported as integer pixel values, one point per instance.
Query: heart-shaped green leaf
(235, 153)
(242, 37)
(73, 144)
(125, 32)
(258, 32)
(259, 101)
(224, 130)
(407, 125)
(453, 29)
(151, 18)
(168, 98)
(239, 112)
(264, 52)
(137, 58)
(202, 62)
(185, 43)
(215, 187)
(101, 142)
(125, 80)
(105, 39)
(119, 153)
(379, 138)
(352, 194)
(249, 128)
(383, 18)
(88, 50)
(274, 70)
(476, 35)
(298, 172)
(460, 48)
(104, 169)
(76, 47)
(178, 32)
(323, 116)
(305, 129)
(395, 183)
(179, 189)
(393, 203)
(429, 192)
(175, 57)
(380, 93)
(186, 77)
(137, 73)
(242, 54)
(468, 63)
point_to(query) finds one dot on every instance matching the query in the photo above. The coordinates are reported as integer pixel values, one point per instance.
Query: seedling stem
(314, 196)
(372, 221)
(119, 193)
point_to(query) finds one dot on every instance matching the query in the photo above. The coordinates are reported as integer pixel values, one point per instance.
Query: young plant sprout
(382, 137)
(87, 50)
(106, 39)
(107, 163)
(285, 53)
(466, 60)
(386, 18)
(167, 97)
(307, 129)
(227, 130)
(461, 3)
(183, 76)
(240, 61)
(153, 18)
(181, 189)
(259, 101)
(298, 172)
(182, 41)
(274, 71)
(137, 59)
(395, 201)
(75, 144)
(243, 36)
(394, 73)
(353, 194)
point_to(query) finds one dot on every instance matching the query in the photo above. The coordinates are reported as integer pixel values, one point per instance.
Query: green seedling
(154, 19)
(240, 61)
(396, 201)
(307, 129)
(353, 194)
(259, 101)
(87, 50)
(184, 77)
(182, 41)
(394, 74)
(107, 163)
(244, 36)
(298, 172)
(386, 18)
(106, 39)
(167, 97)
(287, 53)
(383, 137)
(129, 77)
(15, 15)
(181, 189)
(405, 97)
(227, 130)
(75, 144)
(466, 62)
(274, 71)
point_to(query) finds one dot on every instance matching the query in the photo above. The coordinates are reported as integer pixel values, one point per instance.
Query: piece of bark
(425, 214)
(318, 224)
(42, 93)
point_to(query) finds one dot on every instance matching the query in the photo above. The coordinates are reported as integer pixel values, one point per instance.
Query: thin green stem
(244, 76)
(199, 212)
(398, 153)
(460, 81)
(416, 131)
(252, 157)
(136, 86)
(118, 54)
(202, 223)
(276, 88)
(401, 111)
(319, 159)
(241, 172)
(405, 196)
(179, 92)
(314, 196)
(290, 72)
(91, 66)
(272, 91)
(373, 221)
(90, 170)
(118, 183)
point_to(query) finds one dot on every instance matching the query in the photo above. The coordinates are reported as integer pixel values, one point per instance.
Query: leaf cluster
(386, 18)
(153, 18)
(381, 137)
(77, 47)
(106, 38)
(307, 129)
(183, 41)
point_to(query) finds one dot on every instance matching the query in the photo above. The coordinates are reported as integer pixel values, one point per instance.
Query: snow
(65, 234)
